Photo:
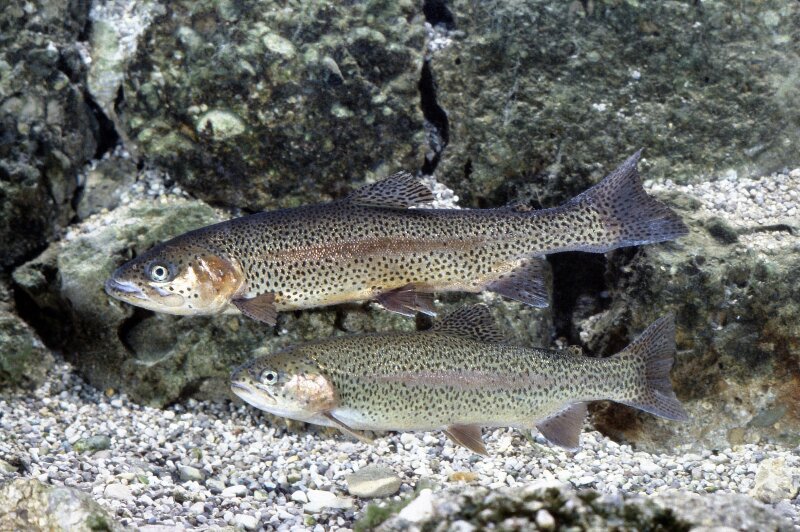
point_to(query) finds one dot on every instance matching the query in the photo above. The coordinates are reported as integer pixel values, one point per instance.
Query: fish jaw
(158, 300)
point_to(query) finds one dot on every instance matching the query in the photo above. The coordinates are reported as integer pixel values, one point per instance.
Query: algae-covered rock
(555, 506)
(543, 97)
(155, 358)
(24, 360)
(257, 104)
(736, 304)
(47, 130)
(28, 504)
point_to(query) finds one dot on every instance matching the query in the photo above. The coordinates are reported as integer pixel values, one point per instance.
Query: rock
(420, 510)
(537, 100)
(299, 496)
(118, 491)
(47, 128)
(373, 481)
(248, 522)
(27, 504)
(775, 481)
(189, 474)
(24, 360)
(104, 184)
(92, 444)
(555, 506)
(736, 308)
(326, 104)
(319, 500)
(234, 491)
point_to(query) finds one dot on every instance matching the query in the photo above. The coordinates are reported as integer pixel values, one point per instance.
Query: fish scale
(370, 245)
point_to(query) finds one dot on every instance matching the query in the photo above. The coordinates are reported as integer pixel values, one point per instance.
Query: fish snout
(126, 289)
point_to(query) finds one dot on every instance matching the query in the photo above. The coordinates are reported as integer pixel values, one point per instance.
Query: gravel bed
(206, 465)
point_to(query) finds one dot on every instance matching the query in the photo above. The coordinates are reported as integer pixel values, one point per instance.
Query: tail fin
(629, 216)
(652, 354)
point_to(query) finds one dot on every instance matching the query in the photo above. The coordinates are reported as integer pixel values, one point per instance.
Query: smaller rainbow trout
(371, 245)
(458, 377)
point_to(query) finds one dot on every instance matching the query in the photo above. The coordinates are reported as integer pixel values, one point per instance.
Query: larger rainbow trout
(371, 245)
(458, 377)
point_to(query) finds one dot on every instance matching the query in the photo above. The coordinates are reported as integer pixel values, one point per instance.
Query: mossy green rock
(156, 358)
(28, 504)
(545, 97)
(47, 130)
(258, 104)
(738, 335)
(24, 360)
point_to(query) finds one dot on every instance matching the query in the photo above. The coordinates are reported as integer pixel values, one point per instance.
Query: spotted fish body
(370, 245)
(458, 377)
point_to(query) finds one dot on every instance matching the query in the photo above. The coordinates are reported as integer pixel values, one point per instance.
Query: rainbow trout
(458, 377)
(371, 245)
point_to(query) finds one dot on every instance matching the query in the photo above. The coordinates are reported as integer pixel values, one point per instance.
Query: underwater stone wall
(258, 105)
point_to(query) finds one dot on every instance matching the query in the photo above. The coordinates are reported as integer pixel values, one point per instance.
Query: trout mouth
(255, 396)
(129, 292)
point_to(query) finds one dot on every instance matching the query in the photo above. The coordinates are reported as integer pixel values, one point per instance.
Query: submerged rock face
(47, 130)
(28, 504)
(541, 96)
(732, 284)
(24, 359)
(258, 104)
(554, 506)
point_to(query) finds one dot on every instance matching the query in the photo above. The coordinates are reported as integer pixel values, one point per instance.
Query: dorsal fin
(474, 321)
(400, 191)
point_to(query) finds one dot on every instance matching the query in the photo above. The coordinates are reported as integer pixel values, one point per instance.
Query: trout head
(287, 383)
(178, 277)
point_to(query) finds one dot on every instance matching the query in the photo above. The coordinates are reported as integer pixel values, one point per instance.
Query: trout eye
(269, 376)
(159, 272)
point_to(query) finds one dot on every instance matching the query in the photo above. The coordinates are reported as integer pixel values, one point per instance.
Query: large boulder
(542, 97)
(257, 104)
(28, 504)
(733, 285)
(47, 128)
(24, 359)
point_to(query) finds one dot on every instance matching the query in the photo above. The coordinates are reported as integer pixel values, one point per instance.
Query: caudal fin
(652, 355)
(628, 215)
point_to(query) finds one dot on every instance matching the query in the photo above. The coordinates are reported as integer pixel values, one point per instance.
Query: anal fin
(525, 283)
(468, 436)
(260, 308)
(360, 436)
(564, 427)
(407, 301)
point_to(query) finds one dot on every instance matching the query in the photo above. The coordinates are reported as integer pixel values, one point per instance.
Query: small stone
(214, 485)
(5, 467)
(420, 510)
(248, 522)
(299, 496)
(463, 476)
(544, 520)
(189, 473)
(197, 508)
(234, 491)
(118, 491)
(775, 481)
(649, 468)
(373, 481)
(319, 500)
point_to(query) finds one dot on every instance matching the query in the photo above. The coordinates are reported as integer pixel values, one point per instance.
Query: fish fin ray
(407, 301)
(260, 308)
(468, 436)
(473, 321)
(400, 190)
(654, 353)
(564, 427)
(360, 436)
(525, 283)
(629, 215)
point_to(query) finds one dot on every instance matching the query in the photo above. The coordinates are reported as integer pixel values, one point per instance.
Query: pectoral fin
(260, 308)
(525, 283)
(360, 436)
(407, 301)
(468, 436)
(564, 427)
